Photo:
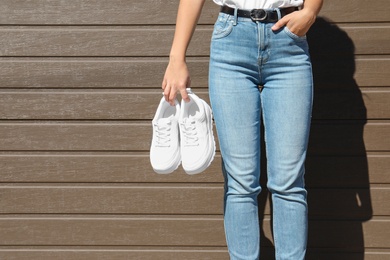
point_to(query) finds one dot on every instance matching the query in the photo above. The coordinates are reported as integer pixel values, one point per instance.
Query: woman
(256, 43)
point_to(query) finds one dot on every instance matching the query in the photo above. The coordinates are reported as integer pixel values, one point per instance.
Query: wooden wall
(80, 82)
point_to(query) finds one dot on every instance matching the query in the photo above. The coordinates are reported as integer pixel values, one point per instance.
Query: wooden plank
(99, 136)
(149, 12)
(95, 167)
(329, 42)
(109, 199)
(321, 171)
(347, 254)
(147, 73)
(177, 231)
(53, 253)
(86, 73)
(348, 137)
(96, 12)
(152, 253)
(116, 230)
(329, 137)
(349, 102)
(126, 104)
(375, 70)
(347, 171)
(324, 204)
(93, 41)
(356, 204)
(130, 41)
(94, 104)
(352, 235)
(351, 11)
(103, 255)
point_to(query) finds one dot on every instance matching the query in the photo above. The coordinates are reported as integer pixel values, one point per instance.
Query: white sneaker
(165, 148)
(196, 134)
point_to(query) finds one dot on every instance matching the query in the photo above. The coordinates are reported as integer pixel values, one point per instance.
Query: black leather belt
(261, 15)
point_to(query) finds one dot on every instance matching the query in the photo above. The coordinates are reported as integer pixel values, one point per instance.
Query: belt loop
(235, 16)
(279, 14)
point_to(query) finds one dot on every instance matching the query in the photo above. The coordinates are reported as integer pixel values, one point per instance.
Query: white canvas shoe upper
(165, 148)
(196, 134)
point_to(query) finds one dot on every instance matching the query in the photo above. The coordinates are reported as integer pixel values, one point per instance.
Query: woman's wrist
(312, 7)
(177, 58)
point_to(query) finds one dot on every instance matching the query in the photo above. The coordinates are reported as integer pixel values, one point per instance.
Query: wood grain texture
(150, 253)
(357, 204)
(52, 253)
(122, 167)
(149, 12)
(131, 105)
(95, 167)
(79, 84)
(148, 40)
(115, 230)
(168, 231)
(140, 73)
(112, 199)
(329, 137)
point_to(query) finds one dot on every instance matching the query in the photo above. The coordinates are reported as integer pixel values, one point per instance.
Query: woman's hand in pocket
(298, 22)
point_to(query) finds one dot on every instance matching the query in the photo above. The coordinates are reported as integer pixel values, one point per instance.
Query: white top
(259, 4)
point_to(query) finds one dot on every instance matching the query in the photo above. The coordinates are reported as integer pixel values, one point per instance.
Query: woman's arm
(299, 22)
(176, 76)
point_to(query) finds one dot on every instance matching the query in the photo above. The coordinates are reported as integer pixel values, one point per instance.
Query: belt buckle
(258, 15)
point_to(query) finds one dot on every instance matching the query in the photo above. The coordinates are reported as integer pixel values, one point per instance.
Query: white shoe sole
(170, 169)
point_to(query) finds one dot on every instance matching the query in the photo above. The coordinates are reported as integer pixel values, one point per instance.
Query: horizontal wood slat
(150, 253)
(79, 84)
(106, 105)
(352, 138)
(322, 171)
(178, 231)
(349, 234)
(330, 138)
(114, 231)
(76, 136)
(95, 167)
(93, 104)
(112, 199)
(150, 41)
(330, 171)
(149, 12)
(117, 254)
(147, 73)
(179, 199)
(371, 71)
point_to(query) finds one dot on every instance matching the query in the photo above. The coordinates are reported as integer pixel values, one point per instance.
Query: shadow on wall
(336, 168)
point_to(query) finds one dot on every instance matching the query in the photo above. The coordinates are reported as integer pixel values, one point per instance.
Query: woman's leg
(235, 99)
(286, 105)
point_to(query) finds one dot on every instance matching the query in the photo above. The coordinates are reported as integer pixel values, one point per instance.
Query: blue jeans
(245, 55)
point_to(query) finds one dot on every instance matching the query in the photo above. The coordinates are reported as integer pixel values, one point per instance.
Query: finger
(166, 92)
(172, 97)
(184, 95)
(164, 84)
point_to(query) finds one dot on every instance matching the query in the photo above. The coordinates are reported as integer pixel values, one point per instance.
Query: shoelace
(163, 134)
(189, 132)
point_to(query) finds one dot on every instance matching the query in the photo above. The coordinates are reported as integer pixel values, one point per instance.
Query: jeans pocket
(293, 35)
(222, 27)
